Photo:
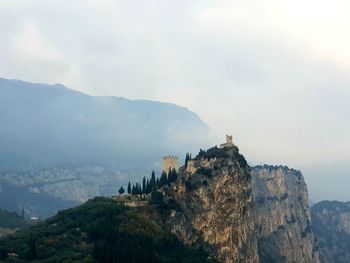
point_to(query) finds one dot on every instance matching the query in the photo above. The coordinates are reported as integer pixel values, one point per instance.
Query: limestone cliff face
(331, 226)
(213, 205)
(283, 215)
(241, 214)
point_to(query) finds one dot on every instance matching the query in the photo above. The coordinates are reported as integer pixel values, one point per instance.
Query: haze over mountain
(51, 124)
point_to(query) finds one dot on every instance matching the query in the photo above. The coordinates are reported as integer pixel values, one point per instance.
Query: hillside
(101, 230)
(51, 124)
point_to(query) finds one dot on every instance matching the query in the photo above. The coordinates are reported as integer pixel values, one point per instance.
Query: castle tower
(229, 139)
(228, 143)
(170, 163)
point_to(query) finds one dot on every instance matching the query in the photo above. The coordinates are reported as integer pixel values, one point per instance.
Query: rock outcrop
(331, 226)
(213, 205)
(241, 214)
(283, 215)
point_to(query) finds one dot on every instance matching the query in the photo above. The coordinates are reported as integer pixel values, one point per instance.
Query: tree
(144, 185)
(148, 188)
(163, 179)
(32, 253)
(156, 198)
(187, 159)
(153, 181)
(121, 190)
(129, 188)
(172, 176)
(138, 189)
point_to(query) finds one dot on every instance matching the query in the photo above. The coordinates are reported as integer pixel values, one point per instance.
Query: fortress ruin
(228, 142)
(170, 163)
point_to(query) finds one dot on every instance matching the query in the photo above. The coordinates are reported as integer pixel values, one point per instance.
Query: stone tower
(170, 162)
(228, 143)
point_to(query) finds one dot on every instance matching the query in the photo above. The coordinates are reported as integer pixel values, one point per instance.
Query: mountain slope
(50, 124)
(103, 231)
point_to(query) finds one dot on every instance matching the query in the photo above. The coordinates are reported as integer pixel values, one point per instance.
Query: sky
(275, 74)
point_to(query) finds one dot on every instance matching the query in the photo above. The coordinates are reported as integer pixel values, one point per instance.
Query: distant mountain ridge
(50, 124)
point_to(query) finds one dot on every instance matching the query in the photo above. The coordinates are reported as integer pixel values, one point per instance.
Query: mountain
(51, 124)
(39, 204)
(331, 225)
(216, 207)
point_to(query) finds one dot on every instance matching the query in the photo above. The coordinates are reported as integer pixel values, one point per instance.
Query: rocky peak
(215, 205)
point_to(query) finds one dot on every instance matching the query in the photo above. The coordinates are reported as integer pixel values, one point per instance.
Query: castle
(170, 163)
(228, 142)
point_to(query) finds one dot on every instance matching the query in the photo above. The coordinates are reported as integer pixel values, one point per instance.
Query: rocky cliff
(213, 205)
(331, 226)
(283, 215)
(242, 214)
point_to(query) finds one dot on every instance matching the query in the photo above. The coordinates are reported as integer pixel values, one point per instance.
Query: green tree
(144, 185)
(32, 253)
(157, 198)
(172, 176)
(129, 188)
(148, 188)
(163, 179)
(121, 190)
(153, 181)
(187, 158)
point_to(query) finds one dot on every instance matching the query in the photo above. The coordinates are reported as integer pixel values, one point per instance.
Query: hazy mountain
(331, 225)
(51, 124)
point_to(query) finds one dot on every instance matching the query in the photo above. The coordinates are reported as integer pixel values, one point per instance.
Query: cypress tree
(138, 189)
(172, 176)
(144, 185)
(129, 188)
(147, 187)
(153, 181)
(186, 159)
(163, 179)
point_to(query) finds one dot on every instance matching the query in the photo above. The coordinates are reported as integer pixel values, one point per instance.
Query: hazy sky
(275, 74)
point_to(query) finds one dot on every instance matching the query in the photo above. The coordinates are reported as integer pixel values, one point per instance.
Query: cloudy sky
(275, 74)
